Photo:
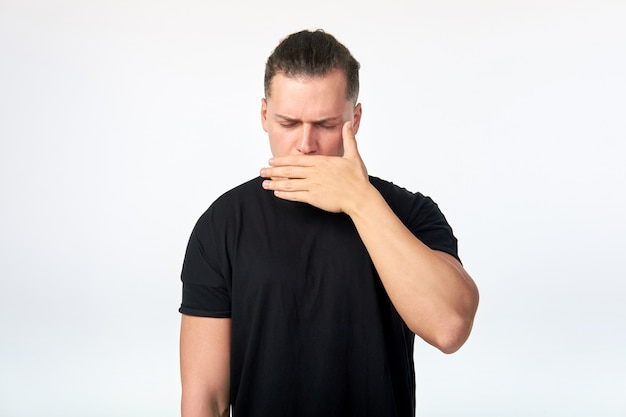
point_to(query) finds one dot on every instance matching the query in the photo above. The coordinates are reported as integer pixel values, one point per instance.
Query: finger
(285, 185)
(300, 196)
(284, 172)
(349, 140)
(295, 160)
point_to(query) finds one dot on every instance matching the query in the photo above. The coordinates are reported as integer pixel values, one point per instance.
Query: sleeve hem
(203, 313)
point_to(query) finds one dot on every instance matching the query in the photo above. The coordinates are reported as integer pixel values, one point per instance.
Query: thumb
(349, 141)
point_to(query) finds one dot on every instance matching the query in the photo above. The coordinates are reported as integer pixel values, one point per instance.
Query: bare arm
(205, 366)
(431, 291)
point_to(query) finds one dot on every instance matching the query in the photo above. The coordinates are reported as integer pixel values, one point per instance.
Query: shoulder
(420, 214)
(247, 190)
(231, 203)
(400, 199)
(238, 196)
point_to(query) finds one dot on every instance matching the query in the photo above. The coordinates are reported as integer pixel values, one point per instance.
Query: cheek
(281, 144)
(332, 144)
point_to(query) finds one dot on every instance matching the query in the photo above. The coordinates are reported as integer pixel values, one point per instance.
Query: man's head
(311, 89)
(312, 54)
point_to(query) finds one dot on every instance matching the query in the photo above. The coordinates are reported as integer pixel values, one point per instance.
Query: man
(303, 288)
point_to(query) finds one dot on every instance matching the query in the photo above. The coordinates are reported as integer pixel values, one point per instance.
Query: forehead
(334, 80)
(321, 93)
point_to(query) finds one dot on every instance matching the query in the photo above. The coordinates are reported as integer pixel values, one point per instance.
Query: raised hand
(332, 183)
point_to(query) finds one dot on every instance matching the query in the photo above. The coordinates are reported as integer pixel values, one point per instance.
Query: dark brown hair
(312, 54)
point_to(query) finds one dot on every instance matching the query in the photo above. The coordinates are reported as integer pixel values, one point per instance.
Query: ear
(356, 120)
(264, 114)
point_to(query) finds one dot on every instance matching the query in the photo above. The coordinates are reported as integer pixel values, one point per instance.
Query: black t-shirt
(313, 331)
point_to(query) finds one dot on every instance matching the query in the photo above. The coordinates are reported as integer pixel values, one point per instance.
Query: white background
(121, 121)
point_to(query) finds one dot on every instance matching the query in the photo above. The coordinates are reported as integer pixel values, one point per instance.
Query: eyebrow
(320, 121)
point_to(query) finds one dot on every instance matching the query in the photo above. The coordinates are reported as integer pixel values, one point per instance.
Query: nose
(308, 141)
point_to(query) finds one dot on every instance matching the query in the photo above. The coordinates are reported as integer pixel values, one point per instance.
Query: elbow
(455, 334)
(457, 328)
(448, 326)
(448, 336)
(452, 333)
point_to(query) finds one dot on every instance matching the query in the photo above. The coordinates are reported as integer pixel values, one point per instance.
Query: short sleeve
(429, 225)
(421, 215)
(205, 272)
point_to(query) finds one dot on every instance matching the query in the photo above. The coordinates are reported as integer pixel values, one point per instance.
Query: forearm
(431, 291)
